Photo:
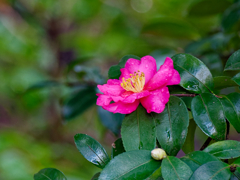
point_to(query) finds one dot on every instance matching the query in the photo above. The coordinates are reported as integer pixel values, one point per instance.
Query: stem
(191, 95)
(228, 129)
(206, 143)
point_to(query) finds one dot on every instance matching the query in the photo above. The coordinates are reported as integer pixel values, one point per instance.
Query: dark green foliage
(49, 174)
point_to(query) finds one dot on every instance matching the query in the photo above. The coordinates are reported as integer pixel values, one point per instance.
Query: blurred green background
(53, 53)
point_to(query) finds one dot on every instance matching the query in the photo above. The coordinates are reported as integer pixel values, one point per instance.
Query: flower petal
(175, 78)
(103, 100)
(156, 101)
(162, 77)
(123, 108)
(147, 65)
(133, 97)
(114, 90)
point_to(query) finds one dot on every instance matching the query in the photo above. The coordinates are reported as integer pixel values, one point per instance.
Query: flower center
(135, 83)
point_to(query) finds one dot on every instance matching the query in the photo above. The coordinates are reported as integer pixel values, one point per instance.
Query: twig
(206, 143)
(228, 129)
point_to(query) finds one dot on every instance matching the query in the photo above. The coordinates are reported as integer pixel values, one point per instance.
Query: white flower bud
(158, 154)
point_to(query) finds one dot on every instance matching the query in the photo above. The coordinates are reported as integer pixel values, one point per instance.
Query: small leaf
(130, 165)
(138, 130)
(156, 175)
(174, 168)
(124, 59)
(233, 62)
(197, 158)
(208, 114)
(224, 149)
(236, 78)
(110, 120)
(195, 76)
(172, 125)
(49, 174)
(215, 170)
(78, 102)
(188, 145)
(114, 72)
(91, 150)
(96, 176)
(221, 82)
(117, 148)
(231, 107)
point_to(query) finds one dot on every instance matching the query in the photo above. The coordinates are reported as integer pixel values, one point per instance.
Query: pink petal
(123, 108)
(175, 78)
(103, 100)
(113, 82)
(133, 97)
(147, 65)
(156, 101)
(114, 90)
(162, 77)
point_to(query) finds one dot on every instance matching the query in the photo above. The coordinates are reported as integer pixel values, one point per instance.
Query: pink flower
(140, 82)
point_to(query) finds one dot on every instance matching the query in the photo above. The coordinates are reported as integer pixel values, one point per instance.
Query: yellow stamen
(135, 83)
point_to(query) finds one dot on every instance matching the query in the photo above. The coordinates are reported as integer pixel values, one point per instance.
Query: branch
(190, 95)
(206, 143)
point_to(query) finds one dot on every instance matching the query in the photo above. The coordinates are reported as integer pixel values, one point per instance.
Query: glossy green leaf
(231, 17)
(49, 174)
(130, 165)
(188, 145)
(233, 63)
(96, 176)
(166, 26)
(195, 76)
(174, 168)
(138, 130)
(110, 120)
(208, 114)
(197, 158)
(124, 59)
(114, 72)
(236, 78)
(221, 82)
(215, 170)
(78, 102)
(224, 149)
(208, 7)
(231, 107)
(91, 150)
(172, 125)
(156, 175)
(187, 101)
(117, 148)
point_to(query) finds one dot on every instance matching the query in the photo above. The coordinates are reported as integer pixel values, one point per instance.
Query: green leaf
(231, 107)
(231, 17)
(174, 168)
(117, 148)
(96, 176)
(195, 76)
(114, 72)
(91, 150)
(49, 174)
(188, 145)
(236, 78)
(156, 175)
(208, 114)
(110, 120)
(130, 165)
(224, 149)
(187, 101)
(221, 82)
(138, 130)
(124, 59)
(172, 125)
(215, 170)
(208, 7)
(197, 158)
(233, 63)
(78, 102)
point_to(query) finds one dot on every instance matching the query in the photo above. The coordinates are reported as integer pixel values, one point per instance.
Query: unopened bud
(158, 154)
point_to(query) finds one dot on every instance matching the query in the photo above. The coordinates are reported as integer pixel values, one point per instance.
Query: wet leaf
(221, 82)
(140, 126)
(117, 148)
(236, 78)
(130, 165)
(49, 174)
(91, 150)
(96, 176)
(172, 125)
(195, 76)
(233, 63)
(208, 114)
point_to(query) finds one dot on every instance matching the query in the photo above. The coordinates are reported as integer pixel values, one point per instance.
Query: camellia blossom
(140, 82)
